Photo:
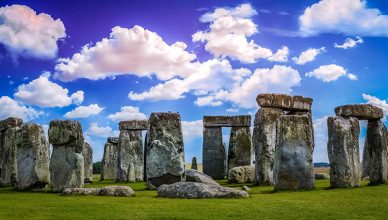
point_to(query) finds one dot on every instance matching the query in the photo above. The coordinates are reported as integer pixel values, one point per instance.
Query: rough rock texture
(343, 151)
(8, 172)
(194, 164)
(245, 188)
(293, 164)
(67, 162)
(133, 125)
(365, 160)
(198, 177)
(80, 191)
(243, 174)
(122, 191)
(240, 147)
(87, 153)
(227, 121)
(164, 151)
(264, 134)
(130, 157)
(190, 190)
(285, 102)
(376, 143)
(360, 111)
(213, 153)
(10, 123)
(33, 157)
(109, 161)
(322, 176)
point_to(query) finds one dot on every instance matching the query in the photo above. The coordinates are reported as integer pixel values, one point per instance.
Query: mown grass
(366, 202)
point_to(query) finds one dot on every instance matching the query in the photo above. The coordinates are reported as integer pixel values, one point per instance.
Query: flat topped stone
(10, 122)
(227, 121)
(67, 132)
(360, 111)
(285, 102)
(113, 140)
(133, 125)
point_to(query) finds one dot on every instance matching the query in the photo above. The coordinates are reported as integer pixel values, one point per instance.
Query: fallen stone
(243, 174)
(227, 121)
(10, 122)
(213, 153)
(360, 111)
(293, 164)
(194, 164)
(109, 161)
(285, 102)
(343, 152)
(133, 125)
(245, 188)
(33, 158)
(120, 191)
(87, 153)
(80, 191)
(240, 147)
(190, 190)
(198, 177)
(322, 176)
(8, 159)
(164, 150)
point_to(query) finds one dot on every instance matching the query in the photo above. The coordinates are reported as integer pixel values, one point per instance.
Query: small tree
(97, 168)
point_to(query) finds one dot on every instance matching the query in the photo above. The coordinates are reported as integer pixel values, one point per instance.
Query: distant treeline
(321, 165)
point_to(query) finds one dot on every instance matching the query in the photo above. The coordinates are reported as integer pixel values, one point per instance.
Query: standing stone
(109, 162)
(67, 162)
(365, 160)
(213, 153)
(293, 164)
(87, 153)
(377, 147)
(240, 147)
(33, 157)
(343, 152)
(264, 141)
(194, 165)
(165, 151)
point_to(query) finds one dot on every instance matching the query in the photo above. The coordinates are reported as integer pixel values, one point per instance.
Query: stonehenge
(109, 163)
(87, 153)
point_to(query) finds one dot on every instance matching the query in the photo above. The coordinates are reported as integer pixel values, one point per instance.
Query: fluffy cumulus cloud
(11, 108)
(99, 131)
(24, 33)
(332, 72)
(192, 129)
(44, 93)
(134, 51)
(349, 17)
(349, 43)
(127, 113)
(84, 111)
(228, 34)
(308, 55)
(373, 100)
(281, 55)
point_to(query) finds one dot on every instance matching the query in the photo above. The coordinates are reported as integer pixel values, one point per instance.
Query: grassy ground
(366, 202)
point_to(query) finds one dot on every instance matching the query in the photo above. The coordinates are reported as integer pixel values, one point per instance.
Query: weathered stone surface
(87, 153)
(227, 121)
(343, 151)
(285, 102)
(33, 157)
(113, 140)
(322, 176)
(293, 164)
(121, 191)
(198, 177)
(133, 125)
(242, 174)
(360, 111)
(190, 190)
(194, 164)
(365, 160)
(213, 153)
(8, 170)
(240, 147)
(245, 188)
(376, 143)
(264, 141)
(67, 162)
(165, 151)
(109, 163)
(131, 156)
(80, 191)
(10, 123)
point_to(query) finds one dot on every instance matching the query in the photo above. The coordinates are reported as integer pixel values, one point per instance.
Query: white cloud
(192, 129)
(332, 72)
(44, 93)
(135, 51)
(127, 113)
(84, 111)
(77, 97)
(207, 101)
(373, 100)
(24, 33)
(349, 43)
(281, 55)
(308, 55)
(349, 17)
(11, 108)
(233, 110)
(104, 132)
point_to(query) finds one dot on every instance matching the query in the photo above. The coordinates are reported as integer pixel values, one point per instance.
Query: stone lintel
(227, 121)
(133, 125)
(10, 122)
(285, 102)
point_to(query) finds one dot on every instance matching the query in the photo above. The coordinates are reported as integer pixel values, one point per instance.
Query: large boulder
(164, 151)
(322, 176)
(293, 164)
(360, 111)
(33, 157)
(8, 170)
(190, 190)
(242, 174)
(285, 102)
(213, 153)
(198, 177)
(67, 162)
(80, 191)
(264, 136)
(121, 191)
(343, 152)
(87, 153)
(240, 147)
(109, 161)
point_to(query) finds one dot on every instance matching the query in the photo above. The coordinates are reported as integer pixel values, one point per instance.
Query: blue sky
(100, 62)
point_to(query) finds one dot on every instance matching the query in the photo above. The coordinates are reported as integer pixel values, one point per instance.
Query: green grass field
(366, 202)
